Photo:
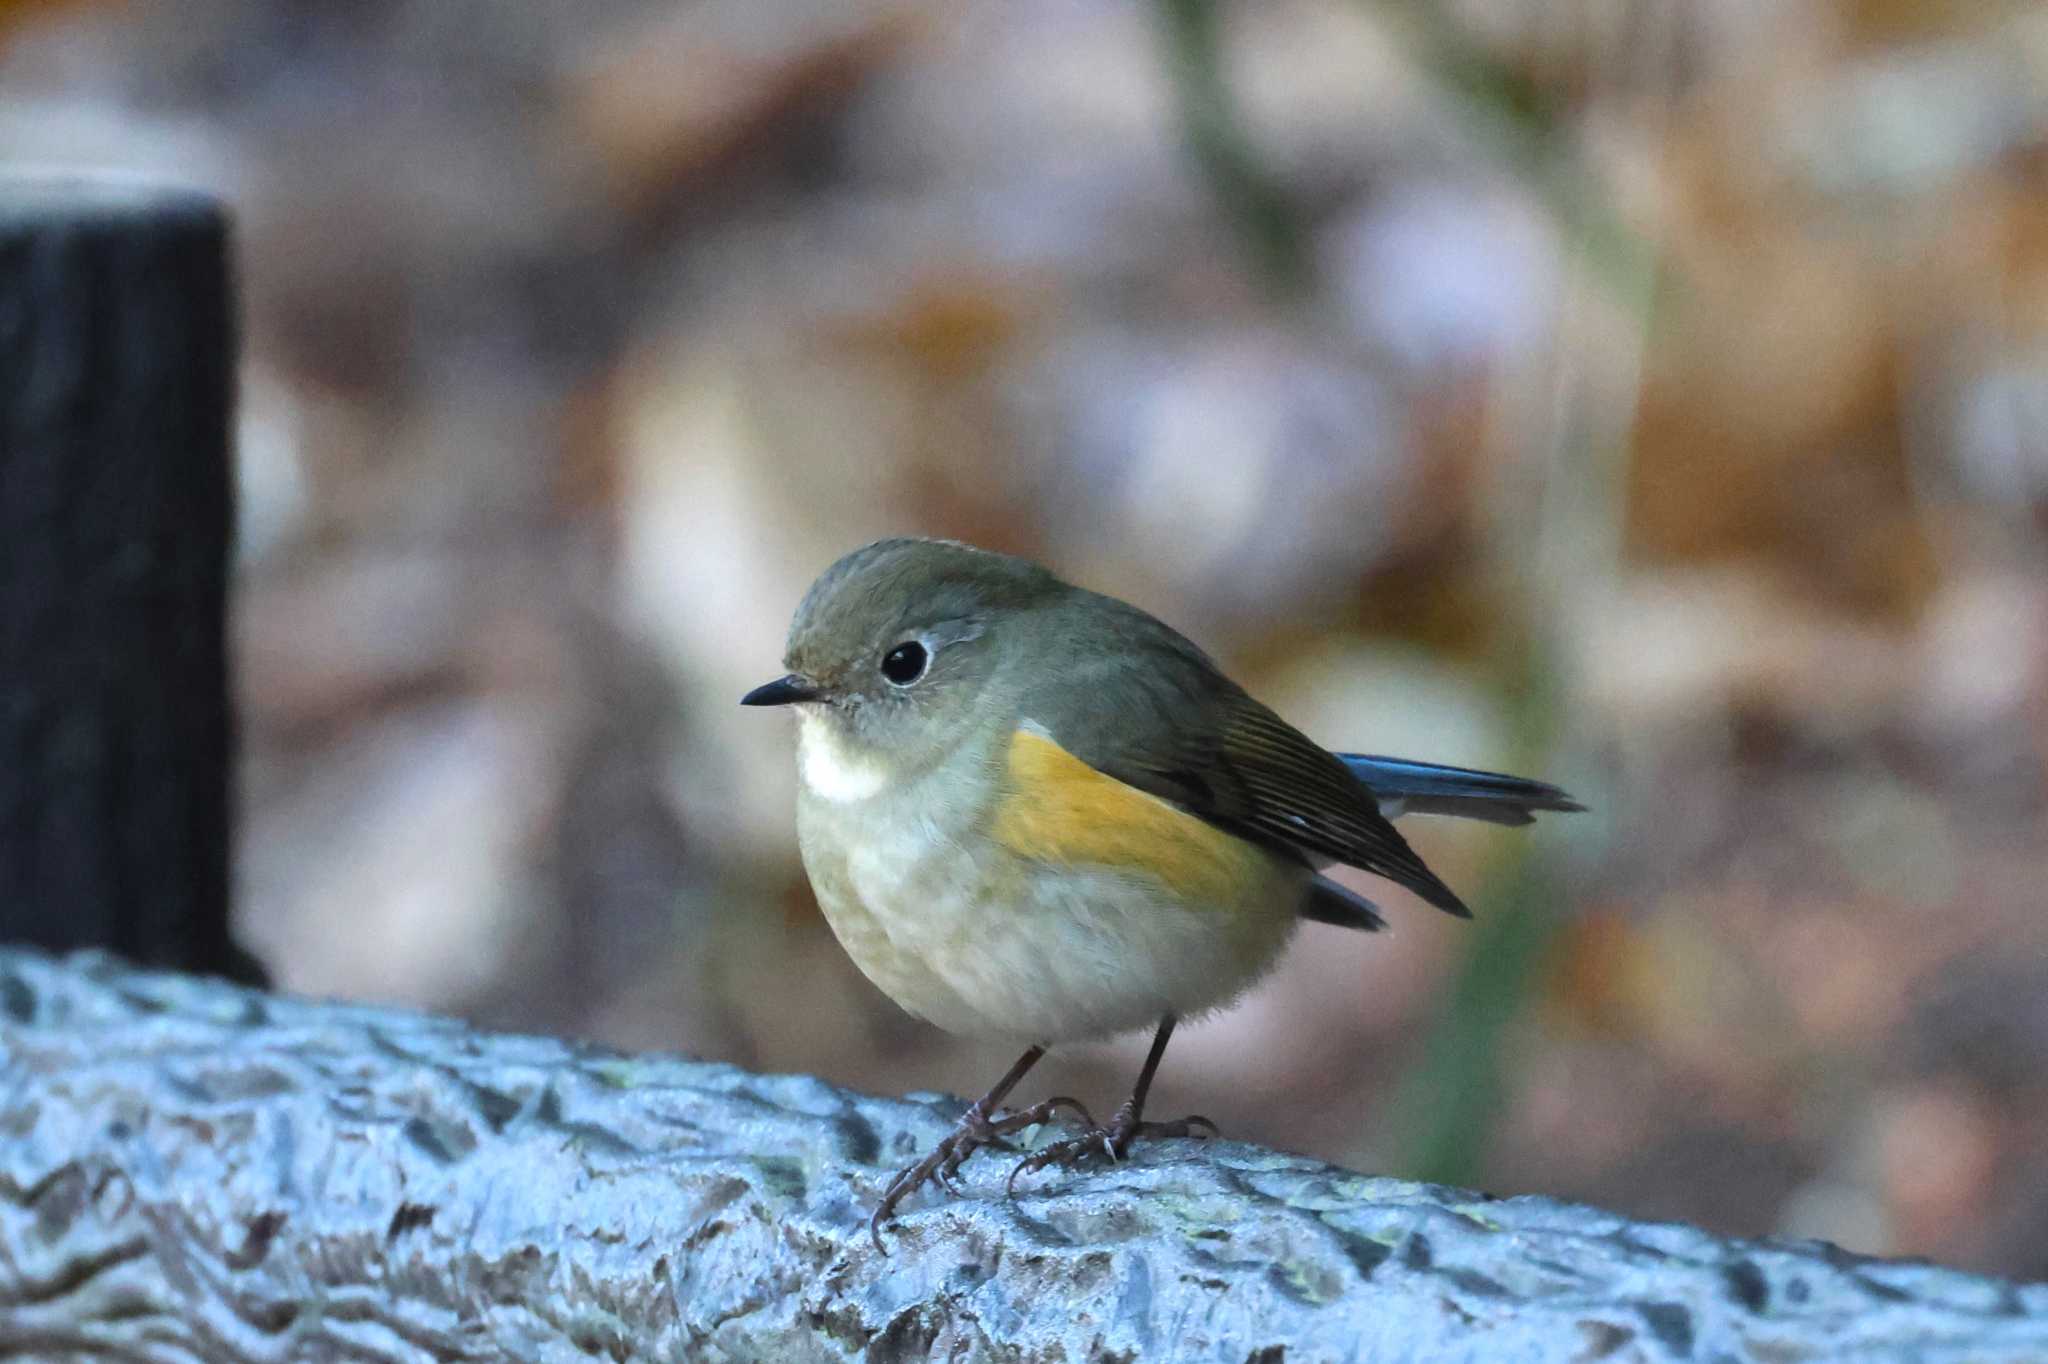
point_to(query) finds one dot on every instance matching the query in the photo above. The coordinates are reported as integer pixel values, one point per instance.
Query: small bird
(1034, 812)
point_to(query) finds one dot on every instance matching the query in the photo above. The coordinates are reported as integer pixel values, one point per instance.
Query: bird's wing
(1156, 714)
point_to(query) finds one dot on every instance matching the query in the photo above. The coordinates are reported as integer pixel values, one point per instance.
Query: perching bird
(1034, 812)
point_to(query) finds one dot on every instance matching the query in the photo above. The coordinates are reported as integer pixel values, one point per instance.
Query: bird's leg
(983, 1124)
(1128, 1124)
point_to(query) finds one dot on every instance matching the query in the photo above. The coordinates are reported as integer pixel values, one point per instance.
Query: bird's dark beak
(781, 692)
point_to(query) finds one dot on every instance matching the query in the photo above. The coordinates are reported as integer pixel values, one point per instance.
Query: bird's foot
(975, 1130)
(1112, 1142)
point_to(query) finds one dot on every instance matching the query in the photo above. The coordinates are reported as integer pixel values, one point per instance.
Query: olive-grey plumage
(1128, 695)
(1031, 810)
(1135, 699)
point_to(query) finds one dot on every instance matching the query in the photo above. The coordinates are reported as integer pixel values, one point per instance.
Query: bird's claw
(975, 1130)
(1112, 1142)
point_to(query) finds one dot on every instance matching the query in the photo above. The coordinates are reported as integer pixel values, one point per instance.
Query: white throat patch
(830, 770)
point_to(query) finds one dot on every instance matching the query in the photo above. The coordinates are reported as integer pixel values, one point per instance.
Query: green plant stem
(1259, 208)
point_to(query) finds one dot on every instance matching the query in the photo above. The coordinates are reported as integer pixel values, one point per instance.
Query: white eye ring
(905, 664)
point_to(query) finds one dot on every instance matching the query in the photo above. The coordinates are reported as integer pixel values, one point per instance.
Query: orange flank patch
(1059, 809)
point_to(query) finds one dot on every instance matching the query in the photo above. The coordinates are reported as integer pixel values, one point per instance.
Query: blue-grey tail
(1405, 787)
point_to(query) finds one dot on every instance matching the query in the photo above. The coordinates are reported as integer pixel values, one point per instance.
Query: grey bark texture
(194, 1171)
(116, 388)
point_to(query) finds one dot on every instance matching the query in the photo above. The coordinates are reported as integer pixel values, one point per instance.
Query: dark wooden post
(116, 524)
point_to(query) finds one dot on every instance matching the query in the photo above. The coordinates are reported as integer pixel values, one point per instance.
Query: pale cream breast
(980, 940)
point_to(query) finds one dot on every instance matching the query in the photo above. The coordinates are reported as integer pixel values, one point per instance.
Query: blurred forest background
(1650, 395)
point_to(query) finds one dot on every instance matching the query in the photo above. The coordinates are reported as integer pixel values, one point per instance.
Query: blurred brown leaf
(682, 100)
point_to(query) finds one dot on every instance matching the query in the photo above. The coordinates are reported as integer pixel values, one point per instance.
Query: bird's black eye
(905, 663)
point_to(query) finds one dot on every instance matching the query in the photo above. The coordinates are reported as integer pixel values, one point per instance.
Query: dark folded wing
(1298, 793)
(1155, 713)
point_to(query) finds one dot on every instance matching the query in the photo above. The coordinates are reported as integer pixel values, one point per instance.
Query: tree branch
(193, 1170)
